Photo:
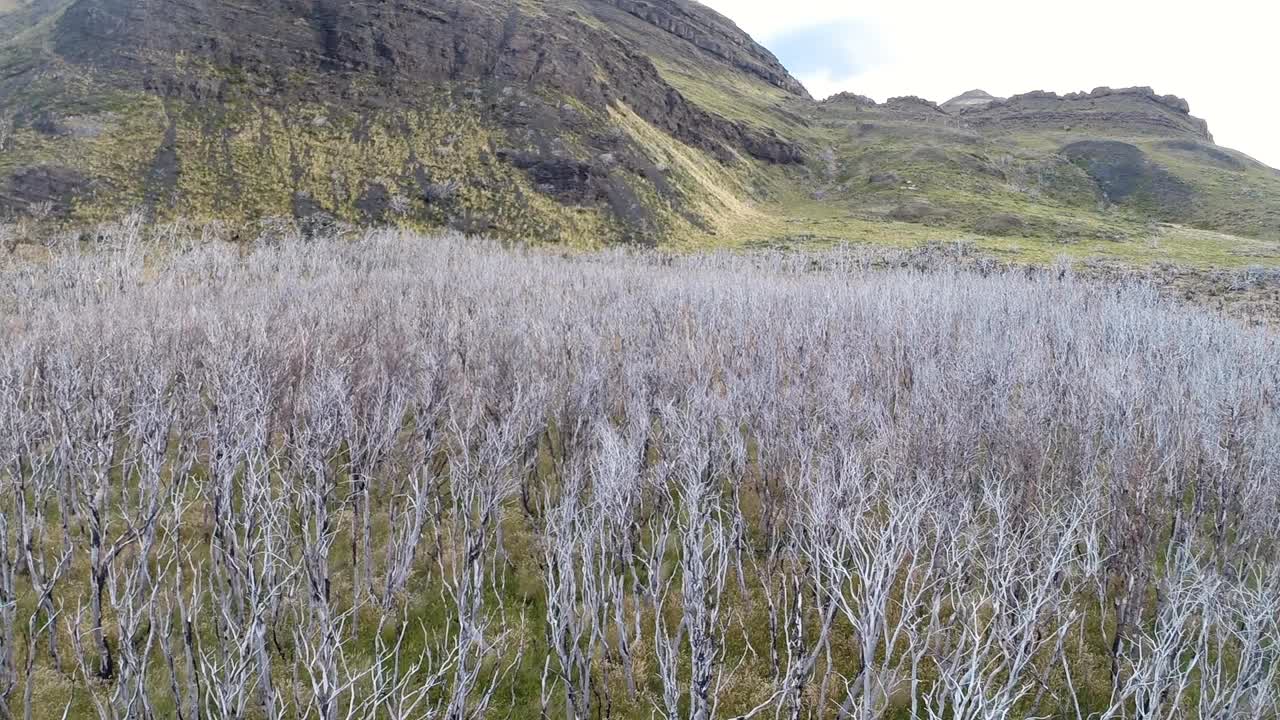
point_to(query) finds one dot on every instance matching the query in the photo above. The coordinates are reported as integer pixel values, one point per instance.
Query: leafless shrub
(399, 205)
(9, 237)
(397, 477)
(441, 191)
(40, 211)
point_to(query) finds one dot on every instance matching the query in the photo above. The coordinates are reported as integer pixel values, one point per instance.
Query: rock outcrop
(850, 99)
(971, 100)
(1138, 110)
(906, 107)
(715, 34)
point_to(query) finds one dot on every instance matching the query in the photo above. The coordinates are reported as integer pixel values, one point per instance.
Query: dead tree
(1012, 621)
(1159, 666)
(481, 481)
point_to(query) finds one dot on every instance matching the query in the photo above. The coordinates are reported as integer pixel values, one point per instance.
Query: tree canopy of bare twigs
(400, 477)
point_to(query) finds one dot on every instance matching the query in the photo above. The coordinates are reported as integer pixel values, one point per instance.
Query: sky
(1223, 56)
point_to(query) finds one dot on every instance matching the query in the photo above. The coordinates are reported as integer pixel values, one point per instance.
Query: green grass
(750, 101)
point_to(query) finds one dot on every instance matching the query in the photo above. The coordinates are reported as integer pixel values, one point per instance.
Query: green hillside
(582, 123)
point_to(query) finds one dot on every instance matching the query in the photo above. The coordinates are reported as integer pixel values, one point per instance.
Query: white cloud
(1220, 56)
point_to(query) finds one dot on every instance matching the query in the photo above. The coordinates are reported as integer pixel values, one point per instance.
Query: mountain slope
(578, 121)
(515, 117)
(1109, 165)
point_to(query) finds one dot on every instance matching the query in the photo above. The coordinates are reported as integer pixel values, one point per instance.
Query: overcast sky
(1221, 55)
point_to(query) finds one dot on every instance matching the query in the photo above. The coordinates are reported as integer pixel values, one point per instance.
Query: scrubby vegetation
(404, 477)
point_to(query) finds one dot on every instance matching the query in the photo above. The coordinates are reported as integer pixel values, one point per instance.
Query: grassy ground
(801, 224)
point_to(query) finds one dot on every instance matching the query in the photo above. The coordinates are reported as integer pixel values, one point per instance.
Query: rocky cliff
(715, 34)
(1135, 110)
(970, 100)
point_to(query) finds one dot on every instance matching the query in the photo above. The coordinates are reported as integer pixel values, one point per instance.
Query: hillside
(527, 118)
(1124, 172)
(581, 122)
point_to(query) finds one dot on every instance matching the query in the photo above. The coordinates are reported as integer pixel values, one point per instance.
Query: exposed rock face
(851, 99)
(407, 45)
(908, 107)
(1134, 109)
(913, 108)
(1137, 109)
(971, 100)
(1171, 101)
(715, 34)
(911, 101)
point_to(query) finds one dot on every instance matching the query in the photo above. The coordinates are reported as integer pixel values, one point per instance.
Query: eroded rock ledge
(715, 34)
